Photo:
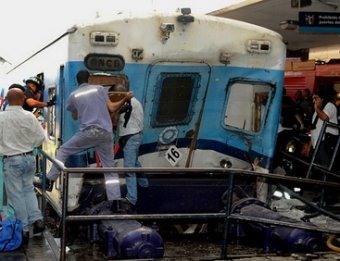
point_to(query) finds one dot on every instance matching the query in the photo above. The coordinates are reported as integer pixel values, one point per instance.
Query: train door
(174, 100)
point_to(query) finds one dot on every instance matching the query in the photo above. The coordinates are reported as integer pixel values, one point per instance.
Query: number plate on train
(173, 155)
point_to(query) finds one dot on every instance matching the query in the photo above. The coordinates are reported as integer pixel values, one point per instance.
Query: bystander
(20, 133)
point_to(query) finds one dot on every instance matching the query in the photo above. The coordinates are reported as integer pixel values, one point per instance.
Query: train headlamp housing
(104, 38)
(226, 164)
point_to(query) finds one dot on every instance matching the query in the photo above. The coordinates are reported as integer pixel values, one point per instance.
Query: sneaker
(38, 226)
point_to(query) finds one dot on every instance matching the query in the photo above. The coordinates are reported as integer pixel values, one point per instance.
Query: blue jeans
(102, 141)
(18, 174)
(131, 150)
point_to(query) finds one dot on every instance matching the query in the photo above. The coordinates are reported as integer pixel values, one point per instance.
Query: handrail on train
(227, 216)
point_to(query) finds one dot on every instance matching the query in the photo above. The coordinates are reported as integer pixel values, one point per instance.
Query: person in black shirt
(33, 95)
(290, 117)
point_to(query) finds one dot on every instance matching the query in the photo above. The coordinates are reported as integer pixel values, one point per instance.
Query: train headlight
(104, 38)
(226, 164)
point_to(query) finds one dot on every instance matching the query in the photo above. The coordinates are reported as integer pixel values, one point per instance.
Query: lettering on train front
(104, 62)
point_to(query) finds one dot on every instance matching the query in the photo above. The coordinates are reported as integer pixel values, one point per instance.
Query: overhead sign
(320, 22)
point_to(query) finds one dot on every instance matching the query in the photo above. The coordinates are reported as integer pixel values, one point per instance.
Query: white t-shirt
(135, 123)
(20, 131)
(331, 112)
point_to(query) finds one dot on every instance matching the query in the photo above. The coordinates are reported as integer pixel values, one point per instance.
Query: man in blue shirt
(90, 104)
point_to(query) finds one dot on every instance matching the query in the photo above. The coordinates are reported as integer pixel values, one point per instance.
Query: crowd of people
(22, 132)
(297, 113)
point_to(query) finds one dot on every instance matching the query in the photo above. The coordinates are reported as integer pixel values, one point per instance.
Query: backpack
(10, 234)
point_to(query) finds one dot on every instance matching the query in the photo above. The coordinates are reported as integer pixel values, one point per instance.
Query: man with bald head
(14, 85)
(20, 133)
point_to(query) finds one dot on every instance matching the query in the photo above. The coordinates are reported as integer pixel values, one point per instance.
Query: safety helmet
(35, 80)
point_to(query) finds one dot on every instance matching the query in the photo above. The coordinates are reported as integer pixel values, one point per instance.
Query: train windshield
(247, 105)
(174, 98)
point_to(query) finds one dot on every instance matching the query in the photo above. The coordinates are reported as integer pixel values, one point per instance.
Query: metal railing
(326, 169)
(227, 216)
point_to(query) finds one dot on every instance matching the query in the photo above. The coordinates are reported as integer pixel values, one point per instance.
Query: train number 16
(173, 155)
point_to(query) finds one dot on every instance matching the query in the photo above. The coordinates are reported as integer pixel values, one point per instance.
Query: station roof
(269, 14)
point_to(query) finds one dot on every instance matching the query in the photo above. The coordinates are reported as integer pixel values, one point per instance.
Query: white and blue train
(211, 90)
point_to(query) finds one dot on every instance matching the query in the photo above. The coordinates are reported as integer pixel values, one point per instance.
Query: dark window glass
(175, 99)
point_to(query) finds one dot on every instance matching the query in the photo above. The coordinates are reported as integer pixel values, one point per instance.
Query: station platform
(38, 249)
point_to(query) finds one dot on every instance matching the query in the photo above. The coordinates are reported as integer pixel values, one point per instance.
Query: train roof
(166, 36)
(143, 15)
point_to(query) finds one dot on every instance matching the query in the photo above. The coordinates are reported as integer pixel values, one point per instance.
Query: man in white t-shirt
(130, 129)
(324, 111)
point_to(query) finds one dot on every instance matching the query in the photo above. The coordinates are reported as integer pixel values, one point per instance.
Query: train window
(174, 98)
(246, 105)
